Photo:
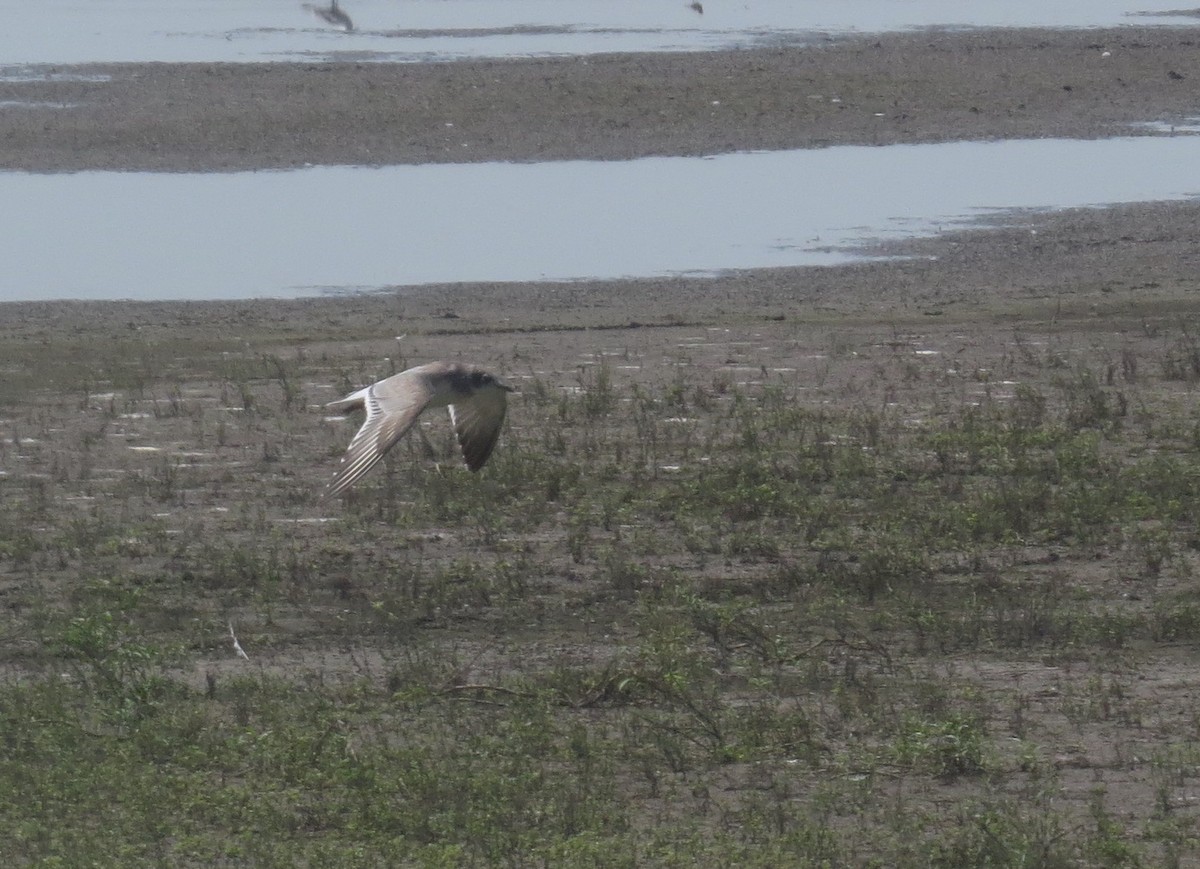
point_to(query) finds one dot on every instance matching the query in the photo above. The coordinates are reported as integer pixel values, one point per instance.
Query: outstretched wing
(477, 422)
(392, 407)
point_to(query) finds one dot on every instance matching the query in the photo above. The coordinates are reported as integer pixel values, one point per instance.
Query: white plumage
(477, 402)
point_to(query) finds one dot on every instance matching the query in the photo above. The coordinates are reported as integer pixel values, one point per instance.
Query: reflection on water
(110, 31)
(161, 236)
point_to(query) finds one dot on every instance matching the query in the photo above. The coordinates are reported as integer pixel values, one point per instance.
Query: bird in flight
(477, 402)
(333, 14)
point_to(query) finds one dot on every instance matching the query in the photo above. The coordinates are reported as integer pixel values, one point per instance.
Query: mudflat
(913, 87)
(891, 563)
(927, 86)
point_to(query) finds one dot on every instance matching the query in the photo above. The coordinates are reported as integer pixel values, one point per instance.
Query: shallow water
(110, 31)
(107, 235)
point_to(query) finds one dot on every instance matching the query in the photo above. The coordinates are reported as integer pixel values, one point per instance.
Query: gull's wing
(392, 407)
(477, 422)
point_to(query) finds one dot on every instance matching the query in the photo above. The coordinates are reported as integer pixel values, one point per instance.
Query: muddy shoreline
(762, 485)
(913, 87)
(1141, 256)
(908, 87)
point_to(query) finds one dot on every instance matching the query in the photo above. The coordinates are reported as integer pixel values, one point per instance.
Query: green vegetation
(866, 607)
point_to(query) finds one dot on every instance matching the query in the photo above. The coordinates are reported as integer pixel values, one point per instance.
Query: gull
(477, 402)
(333, 15)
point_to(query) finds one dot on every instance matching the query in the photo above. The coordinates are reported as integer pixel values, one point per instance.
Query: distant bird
(696, 7)
(333, 14)
(476, 399)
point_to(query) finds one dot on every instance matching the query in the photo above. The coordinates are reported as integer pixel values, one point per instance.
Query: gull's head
(483, 380)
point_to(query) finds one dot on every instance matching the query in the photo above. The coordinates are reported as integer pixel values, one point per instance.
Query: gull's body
(477, 403)
(333, 14)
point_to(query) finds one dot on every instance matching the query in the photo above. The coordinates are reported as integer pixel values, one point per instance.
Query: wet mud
(1108, 284)
(909, 87)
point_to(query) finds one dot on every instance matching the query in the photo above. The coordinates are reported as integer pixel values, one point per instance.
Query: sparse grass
(876, 609)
